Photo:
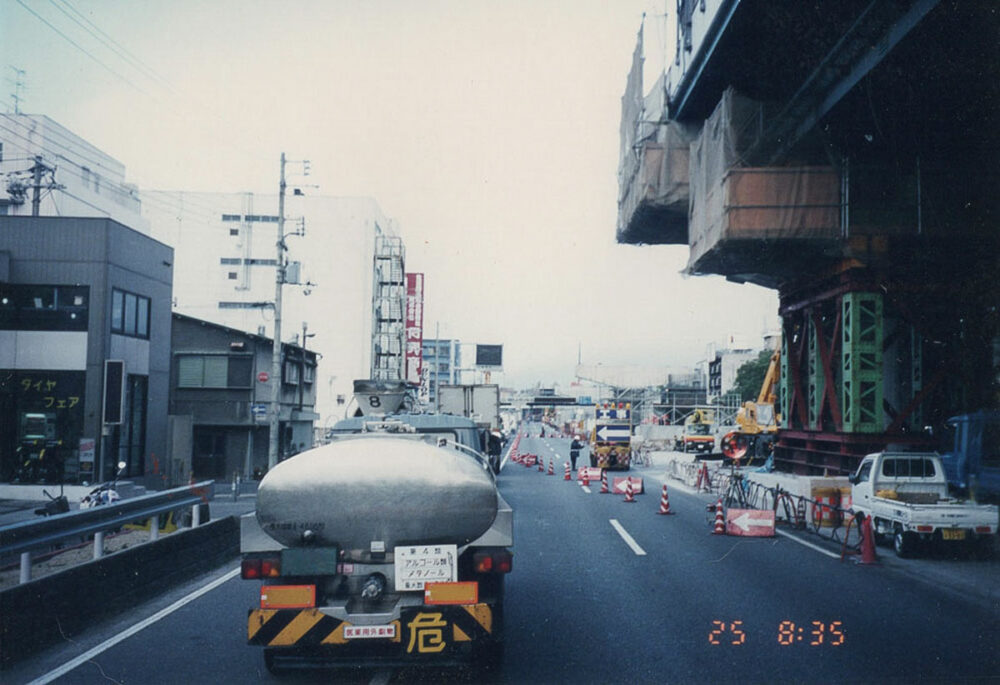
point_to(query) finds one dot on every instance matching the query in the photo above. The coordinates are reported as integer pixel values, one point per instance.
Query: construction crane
(757, 422)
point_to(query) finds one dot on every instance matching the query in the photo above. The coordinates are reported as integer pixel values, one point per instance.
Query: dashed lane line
(639, 551)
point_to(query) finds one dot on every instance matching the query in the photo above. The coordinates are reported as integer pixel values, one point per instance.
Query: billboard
(489, 355)
(414, 328)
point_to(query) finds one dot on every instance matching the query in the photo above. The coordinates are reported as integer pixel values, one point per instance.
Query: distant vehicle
(757, 422)
(611, 437)
(481, 403)
(697, 433)
(906, 495)
(388, 546)
(972, 462)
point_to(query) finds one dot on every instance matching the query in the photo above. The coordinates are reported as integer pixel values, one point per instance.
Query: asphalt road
(586, 605)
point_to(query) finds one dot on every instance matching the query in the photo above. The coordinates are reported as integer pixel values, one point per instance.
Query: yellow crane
(757, 421)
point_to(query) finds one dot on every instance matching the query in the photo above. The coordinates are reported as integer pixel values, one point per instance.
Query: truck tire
(904, 543)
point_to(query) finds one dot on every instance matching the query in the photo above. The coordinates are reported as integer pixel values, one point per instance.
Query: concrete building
(442, 361)
(46, 170)
(226, 257)
(220, 390)
(74, 294)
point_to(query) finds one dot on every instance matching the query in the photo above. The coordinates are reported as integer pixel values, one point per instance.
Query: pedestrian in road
(574, 450)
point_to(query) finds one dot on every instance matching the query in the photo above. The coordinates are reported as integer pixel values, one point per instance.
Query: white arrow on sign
(613, 433)
(745, 519)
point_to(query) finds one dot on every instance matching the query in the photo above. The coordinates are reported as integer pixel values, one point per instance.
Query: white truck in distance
(906, 496)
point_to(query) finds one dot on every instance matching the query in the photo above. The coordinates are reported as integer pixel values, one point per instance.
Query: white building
(69, 176)
(225, 256)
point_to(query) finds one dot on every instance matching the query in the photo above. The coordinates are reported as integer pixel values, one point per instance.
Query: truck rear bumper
(441, 633)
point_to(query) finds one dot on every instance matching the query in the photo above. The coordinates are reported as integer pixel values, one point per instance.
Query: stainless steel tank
(385, 490)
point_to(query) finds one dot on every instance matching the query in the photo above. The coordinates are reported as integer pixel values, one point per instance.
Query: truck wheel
(904, 543)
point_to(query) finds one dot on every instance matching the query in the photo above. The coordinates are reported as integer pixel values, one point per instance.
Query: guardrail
(26, 536)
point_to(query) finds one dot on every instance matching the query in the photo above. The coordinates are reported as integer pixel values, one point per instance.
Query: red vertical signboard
(414, 327)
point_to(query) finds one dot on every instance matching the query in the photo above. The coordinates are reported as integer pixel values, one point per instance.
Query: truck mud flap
(420, 631)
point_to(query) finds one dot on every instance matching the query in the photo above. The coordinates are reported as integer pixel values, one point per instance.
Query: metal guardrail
(25, 536)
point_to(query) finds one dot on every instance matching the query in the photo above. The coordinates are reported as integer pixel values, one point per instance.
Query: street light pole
(279, 280)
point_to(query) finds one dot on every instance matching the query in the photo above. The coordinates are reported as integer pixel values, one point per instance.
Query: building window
(129, 314)
(232, 276)
(26, 307)
(308, 373)
(214, 371)
(234, 231)
(231, 217)
(229, 261)
(291, 374)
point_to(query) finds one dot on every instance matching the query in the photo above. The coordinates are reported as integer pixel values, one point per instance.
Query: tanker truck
(386, 547)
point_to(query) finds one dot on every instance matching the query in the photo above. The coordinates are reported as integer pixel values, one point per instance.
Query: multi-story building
(226, 255)
(442, 360)
(84, 347)
(46, 170)
(220, 392)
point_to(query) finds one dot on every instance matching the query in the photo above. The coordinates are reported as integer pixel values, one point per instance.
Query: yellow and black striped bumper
(419, 630)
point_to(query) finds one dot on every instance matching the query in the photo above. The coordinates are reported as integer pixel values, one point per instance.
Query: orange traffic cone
(720, 524)
(868, 555)
(664, 502)
(629, 497)
(604, 482)
(567, 476)
(586, 479)
(541, 465)
(552, 470)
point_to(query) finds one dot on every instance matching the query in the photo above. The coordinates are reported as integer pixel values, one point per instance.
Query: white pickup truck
(906, 495)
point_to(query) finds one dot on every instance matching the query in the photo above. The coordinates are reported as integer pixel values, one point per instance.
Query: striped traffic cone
(552, 470)
(567, 476)
(541, 465)
(586, 479)
(604, 482)
(664, 502)
(629, 496)
(720, 524)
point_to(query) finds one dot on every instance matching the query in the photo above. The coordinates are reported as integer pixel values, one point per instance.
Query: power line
(111, 43)
(81, 49)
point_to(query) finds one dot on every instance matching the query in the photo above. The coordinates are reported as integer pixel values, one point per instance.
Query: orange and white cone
(567, 476)
(552, 470)
(541, 465)
(586, 479)
(720, 523)
(629, 496)
(664, 502)
(604, 482)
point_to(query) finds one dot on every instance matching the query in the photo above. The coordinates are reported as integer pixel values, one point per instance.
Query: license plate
(952, 534)
(369, 632)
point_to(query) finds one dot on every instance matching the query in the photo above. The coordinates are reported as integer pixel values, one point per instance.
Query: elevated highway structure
(844, 154)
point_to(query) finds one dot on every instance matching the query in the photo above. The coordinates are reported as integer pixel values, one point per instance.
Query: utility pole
(279, 280)
(36, 197)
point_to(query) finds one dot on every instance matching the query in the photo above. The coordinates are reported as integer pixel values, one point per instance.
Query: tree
(750, 376)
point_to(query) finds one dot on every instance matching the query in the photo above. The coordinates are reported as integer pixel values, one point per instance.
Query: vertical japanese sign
(414, 327)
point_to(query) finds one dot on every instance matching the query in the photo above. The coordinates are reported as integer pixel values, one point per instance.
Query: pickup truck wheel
(904, 543)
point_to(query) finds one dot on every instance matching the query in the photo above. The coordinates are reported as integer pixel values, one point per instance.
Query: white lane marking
(129, 632)
(810, 545)
(585, 489)
(628, 538)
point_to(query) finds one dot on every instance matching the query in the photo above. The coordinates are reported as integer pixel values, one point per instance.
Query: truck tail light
(260, 567)
(925, 529)
(495, 561)
(983, 529)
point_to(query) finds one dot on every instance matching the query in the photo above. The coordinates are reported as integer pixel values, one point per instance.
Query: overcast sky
(487, 130)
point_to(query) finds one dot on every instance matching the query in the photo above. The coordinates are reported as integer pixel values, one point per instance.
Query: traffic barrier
(720, 523)
(629, 498)
(567, 476)
(664, 502)
(604, 482)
